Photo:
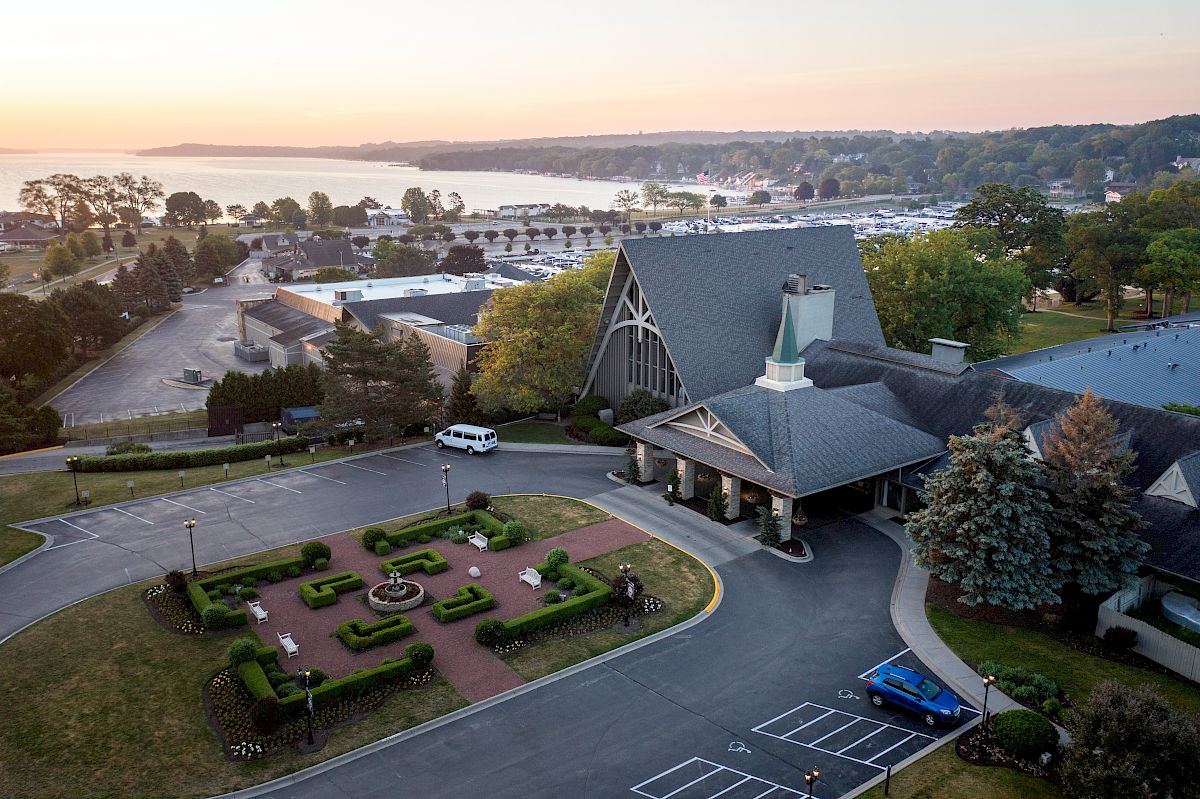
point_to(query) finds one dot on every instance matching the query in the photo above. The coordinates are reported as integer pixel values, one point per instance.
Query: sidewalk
(568, 449)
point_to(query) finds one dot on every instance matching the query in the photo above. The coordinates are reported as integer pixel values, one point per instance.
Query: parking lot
(703, 779)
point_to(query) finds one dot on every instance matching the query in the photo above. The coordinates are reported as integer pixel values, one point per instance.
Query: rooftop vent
(947, 351)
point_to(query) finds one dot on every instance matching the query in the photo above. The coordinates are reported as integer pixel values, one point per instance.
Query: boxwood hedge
(470, 599)
(186, 459)
(198, 590)
(488, 525)
(323, 591)
(591, 592)
(429, 561)
(358, 635)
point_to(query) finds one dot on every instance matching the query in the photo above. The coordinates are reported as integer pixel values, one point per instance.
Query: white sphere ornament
(473, 571)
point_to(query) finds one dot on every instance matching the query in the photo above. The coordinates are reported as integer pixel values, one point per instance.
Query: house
(1182, 163)
(248, 220)
(1063, 189)
(15, 219)
(27, 235)
(387, 217)
(522, 210)
(1115, 192)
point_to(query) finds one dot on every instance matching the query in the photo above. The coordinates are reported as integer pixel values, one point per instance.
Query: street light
(275, 430)
(73, 465)
(309, 703)
(190, 524)
(446, 485)
(987, 686)
(809, 778)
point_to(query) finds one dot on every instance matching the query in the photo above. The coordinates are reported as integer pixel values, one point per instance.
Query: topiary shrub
(420, 654)
(264, 714)
(287, 689)
(275, 576)
(293, 571)
(313, 550)
(321, 564)
(247, 594)
(316, 677)
(372, 536)
(383, 548)
(1052, 708)
(557, 557)
(478, 500)
(491, 632)
(553, 597)
(515, 532)
(243, 650)
(1118, 639)
(566, 583)
(176, 582)
(581, 590)
(213, 616)
(1024, 734)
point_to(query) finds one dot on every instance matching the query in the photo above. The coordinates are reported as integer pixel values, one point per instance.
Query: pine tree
(150, 284)
(168, 275)
(462, 407)
(718, 504)
(128, 240)
(987, 524)
(125, 284)
(177, 253)
(1096, 546)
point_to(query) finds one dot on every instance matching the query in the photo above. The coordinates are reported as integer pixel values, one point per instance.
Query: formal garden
(263, 665)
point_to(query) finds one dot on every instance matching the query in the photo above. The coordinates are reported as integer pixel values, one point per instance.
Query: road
(52, 459)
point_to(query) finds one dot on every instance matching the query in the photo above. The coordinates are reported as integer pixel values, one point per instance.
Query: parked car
(914, 692)
(467, 436)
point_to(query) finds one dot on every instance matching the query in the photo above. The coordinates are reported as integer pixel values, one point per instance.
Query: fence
(1163, 648)
(138, 426)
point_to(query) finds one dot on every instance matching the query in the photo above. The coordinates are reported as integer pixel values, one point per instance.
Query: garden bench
(530, 575)
(478, 540)
(289, 646)
(257, 609)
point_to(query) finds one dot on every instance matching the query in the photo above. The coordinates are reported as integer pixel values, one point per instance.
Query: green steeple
(786, 348)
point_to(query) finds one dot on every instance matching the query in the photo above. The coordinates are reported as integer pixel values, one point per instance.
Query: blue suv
(914, 692)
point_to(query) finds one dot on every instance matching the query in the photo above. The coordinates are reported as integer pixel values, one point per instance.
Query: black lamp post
(308, 703)
(73, 465)
(190, 524)
(809, 778)
(446, 485)
(987, 685)
(275, 430)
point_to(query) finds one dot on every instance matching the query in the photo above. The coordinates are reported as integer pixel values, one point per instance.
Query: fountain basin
(384, 601)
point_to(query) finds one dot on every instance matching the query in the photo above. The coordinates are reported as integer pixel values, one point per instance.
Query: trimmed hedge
(429, 561)
(358, 635)
(591, 405)
(469, 600)
(187, 459)
(323, 592)
(488, 525)
(198, 590)
(255, 679)
(596, 596)
(1024, 734)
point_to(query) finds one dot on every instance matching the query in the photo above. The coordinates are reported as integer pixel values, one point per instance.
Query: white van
(467, 436)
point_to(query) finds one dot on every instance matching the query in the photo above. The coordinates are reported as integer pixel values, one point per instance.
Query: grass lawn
(1076, 673)
(672, 575)
(546, 517)
(1046, 329)
(36, 494)
(944, 774)
(534, 433)
(107, 703)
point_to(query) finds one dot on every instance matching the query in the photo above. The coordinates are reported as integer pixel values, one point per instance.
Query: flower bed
(581, 624)
(197, 590)
(472, 521)
(174, 610)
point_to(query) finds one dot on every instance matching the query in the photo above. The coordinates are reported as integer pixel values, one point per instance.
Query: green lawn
(681, 581)
(943, 774)
(546, 517)
(1076, 673)
(1046, 329)
(534, 433)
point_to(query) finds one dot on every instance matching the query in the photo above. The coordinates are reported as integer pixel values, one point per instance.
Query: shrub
(358, 635)
(603, 435)
(242, 650)
(287, 689)
(420, 654)
(581, 590)
(323, 591)
(1025, 695)
(264, 714)
(491, 632)
(383, 548)
(316, 677)
(429, 561)
(591, 405)
(469, 600)
(214, 595)
(213, 616)
(247, 594)
(481, 520)
(278, 678)
(478, 500)
(639, 404)
(249, 582)
(515, 532)
(424, 539)
(275, 576)
(313, 550)
(566, 583)
(1052, 708)
(371, 536)
(255, 679)
(225, 589)
(292, 571)
(553, 597)
(458, 538)
(321, 564)
(189, 459)
(557, 557)
(126, 448)
(1120, 639)
(176, 582)
(1024, 734)
(498, 542)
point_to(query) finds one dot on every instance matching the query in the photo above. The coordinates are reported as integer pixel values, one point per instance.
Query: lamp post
(987, 686)
(309, 704)
(275, 430)
(446, 485)
(809, 778)
(190, 524)
(73, 465)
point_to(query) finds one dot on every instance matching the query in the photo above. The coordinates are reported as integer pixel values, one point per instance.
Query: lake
(248, 180)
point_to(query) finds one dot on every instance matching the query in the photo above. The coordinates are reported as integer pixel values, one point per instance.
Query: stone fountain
(396, 595)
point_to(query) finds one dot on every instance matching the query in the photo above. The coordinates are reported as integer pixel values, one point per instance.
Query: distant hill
(10, 151)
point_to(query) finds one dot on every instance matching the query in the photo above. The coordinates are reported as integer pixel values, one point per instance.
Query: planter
(383, 601)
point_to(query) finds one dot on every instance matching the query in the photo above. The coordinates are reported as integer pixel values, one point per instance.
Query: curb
(47, 542)
(32, 451)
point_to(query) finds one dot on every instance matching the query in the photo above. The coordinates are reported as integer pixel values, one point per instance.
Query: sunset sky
(141, 74)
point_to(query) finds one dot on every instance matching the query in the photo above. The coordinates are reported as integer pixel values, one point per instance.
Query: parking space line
(731, 787)
(853, 721)
(235, 496)
(76, 541)
(135, 516)
(802, 726)
(180, 504)
(80, 529)
(714, 769)
(867, 673)
(881, 726)
(364, 468)
(860, 740)
(893, 746)
(323, 477)
(285, 488)
(442, 451)
(687, 785)
(402, 460)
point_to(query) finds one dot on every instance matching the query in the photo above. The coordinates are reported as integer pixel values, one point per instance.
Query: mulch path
(475, 671)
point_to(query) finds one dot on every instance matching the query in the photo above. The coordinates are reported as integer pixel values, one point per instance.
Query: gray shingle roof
(329, 252)
(879, 398)
(1189, 467)
(718, 298)
(456, 308)
(1173, 533)
(809, 439)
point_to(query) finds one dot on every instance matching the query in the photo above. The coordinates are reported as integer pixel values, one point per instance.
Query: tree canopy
(1029, 227)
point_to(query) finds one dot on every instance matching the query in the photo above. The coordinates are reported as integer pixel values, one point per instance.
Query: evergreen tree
(177, 253)
(170, 279)
(718, 504)
(462, 408)
(106, 243)
(987, 524)
(128, 240)
(151, 288)
(126, 286)
(1096, 546)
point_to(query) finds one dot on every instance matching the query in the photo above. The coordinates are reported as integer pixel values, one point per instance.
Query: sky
(129, 74)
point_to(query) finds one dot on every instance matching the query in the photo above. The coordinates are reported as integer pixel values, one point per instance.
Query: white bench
(531, 576)
(257, 609)
(289, 646)
(478, 540)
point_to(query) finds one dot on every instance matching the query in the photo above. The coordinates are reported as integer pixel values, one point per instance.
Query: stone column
(645, 460)
(732, 486)
(782, 507)
(685, 477)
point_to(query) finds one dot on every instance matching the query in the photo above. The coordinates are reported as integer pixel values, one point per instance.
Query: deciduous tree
(759, 198)
(416, 204)
(830, 188)
(463, 259)
(59, 260)
(654, 194)
(141, 195)
(1105, 250)
(184, 208)
(320, 209)
(34, 338)
(804, 192)
(93, 313)
(626, 200)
